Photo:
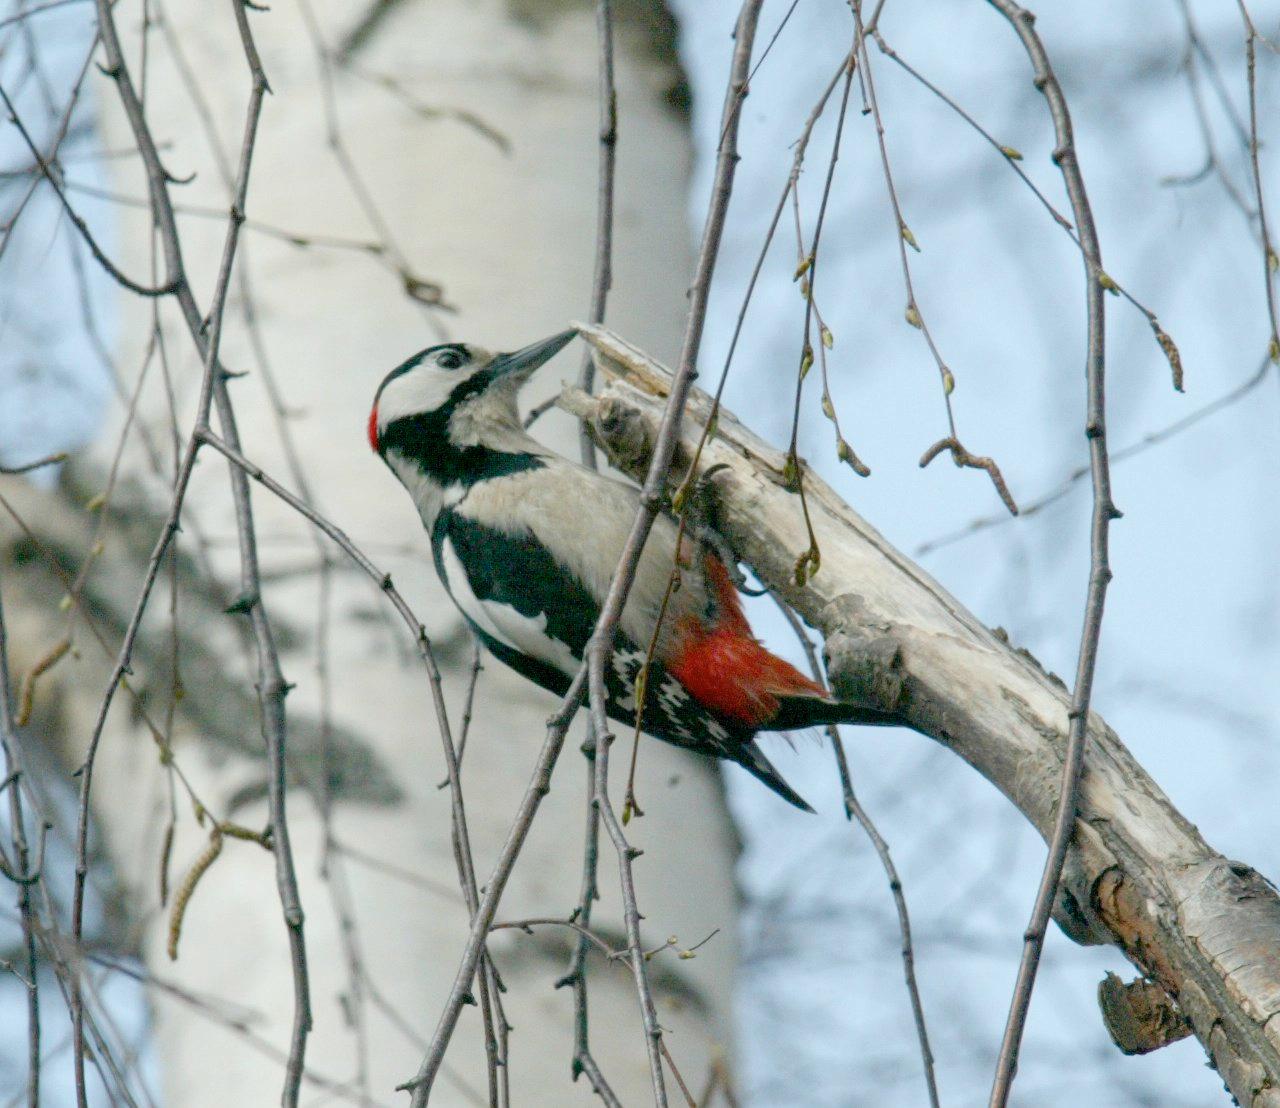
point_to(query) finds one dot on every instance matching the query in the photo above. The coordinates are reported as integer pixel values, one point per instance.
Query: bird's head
(456, 392)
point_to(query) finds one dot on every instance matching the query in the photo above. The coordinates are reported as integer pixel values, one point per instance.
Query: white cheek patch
(423, 389)
(521, 633)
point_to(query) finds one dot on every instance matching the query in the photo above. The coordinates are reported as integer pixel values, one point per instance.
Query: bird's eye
(450, 359)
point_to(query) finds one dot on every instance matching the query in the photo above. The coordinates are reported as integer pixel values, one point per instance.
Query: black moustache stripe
(423, 438)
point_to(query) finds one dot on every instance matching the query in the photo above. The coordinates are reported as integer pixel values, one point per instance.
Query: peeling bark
(1138, 875)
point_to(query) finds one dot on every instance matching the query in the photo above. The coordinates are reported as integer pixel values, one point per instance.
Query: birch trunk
(506, 225)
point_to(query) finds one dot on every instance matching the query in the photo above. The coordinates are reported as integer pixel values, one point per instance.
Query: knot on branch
(863, 657)
(1072, 910)
(1140, 1016)
(1124, 909)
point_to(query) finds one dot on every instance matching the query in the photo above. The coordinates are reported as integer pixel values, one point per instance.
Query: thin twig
(809, 561)
(1012, 158)
(683, 495)
(1104, 511)
(801, 148)
(602, 278)
(601, 642)
(430, 295)
(206, 334)
(35, 9)
(600, 647)
(576, 978)
(461, 840)
(55, 145)
(77, 221)
(122, 665)
(231, 1018)
(538, 787)
(905, 237)
(49, 559)
(582, 929)
(1212, 160)
(272, 688)
(298, 239)
(962, 457)
(589, 938)
(468, 702)
(331, 865)
(853, 809)
(18, 837)
(1270, 259)
(1133, 450)
(39, 463)
(423, 110)
(627, 854)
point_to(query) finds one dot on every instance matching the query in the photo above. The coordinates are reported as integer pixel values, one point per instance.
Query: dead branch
(1138, 875)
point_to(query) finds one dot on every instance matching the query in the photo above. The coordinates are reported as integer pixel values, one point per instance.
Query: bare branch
(602, 279)
(1270, 259)
(39, 463)
(576, 978)
(1137, 873)
(853, 809)
(1012, 157)
(601, 641)
(1104, 511)
(962, 457)
(1133, 450)
(206, 335)
(18, 838)
(99, 256)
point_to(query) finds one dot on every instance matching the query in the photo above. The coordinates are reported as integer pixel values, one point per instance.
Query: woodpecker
(526, 541)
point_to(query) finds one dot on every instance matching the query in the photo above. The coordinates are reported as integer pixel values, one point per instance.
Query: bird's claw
(702, 511)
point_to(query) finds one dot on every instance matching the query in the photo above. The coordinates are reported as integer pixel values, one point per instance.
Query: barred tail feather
(751, 758)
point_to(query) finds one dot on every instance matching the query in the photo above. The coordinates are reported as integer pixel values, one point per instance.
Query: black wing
(537, 618)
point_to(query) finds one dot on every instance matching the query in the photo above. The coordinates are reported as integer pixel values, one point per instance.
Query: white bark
(511, 238)
(1139, 875)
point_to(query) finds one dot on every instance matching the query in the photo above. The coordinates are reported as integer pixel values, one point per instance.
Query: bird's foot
(701, 509)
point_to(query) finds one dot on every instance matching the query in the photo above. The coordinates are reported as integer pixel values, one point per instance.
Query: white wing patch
(626, 665)
(669, 706)
(521, 633)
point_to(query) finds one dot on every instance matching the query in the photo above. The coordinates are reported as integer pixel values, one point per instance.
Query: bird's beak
(525, 361)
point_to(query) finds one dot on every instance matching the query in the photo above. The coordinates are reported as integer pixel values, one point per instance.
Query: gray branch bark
(1138, 874)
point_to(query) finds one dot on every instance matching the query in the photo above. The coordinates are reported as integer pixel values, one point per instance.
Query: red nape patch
(373, 428)
(731, 674)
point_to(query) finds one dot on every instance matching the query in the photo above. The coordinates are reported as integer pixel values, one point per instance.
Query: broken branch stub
(1140, 1016)
(1138, 875)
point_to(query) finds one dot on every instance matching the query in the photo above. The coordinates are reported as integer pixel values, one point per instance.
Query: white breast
(428, 496)
(584, 519)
